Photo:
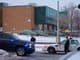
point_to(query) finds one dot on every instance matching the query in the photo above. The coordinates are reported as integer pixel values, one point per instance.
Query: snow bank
(39, 38)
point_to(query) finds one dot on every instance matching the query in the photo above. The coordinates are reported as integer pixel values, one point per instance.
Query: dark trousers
(66, 49)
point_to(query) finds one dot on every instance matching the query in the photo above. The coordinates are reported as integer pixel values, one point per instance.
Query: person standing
(33, 39)
(66, 46)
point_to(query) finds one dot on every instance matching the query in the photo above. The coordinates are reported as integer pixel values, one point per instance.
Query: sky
(50, 3)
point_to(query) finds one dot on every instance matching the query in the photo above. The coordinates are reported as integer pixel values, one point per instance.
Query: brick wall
(18, 18)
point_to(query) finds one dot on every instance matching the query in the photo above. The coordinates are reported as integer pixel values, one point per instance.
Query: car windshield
(74, 42)
(15, 37)
(8, 36)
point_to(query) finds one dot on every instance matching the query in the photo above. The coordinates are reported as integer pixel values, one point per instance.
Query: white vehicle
(53, 48)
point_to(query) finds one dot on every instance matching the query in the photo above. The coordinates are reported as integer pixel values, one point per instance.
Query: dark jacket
(33, 39)
(67, 43)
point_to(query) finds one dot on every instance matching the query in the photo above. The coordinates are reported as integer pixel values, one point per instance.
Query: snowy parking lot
(34, 56)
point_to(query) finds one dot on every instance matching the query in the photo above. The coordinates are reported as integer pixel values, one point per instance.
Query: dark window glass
(5, 36)
(74, 42)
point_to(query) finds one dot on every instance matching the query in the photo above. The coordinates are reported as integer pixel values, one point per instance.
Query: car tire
(78, 49)
(51, 50)
(20, 51)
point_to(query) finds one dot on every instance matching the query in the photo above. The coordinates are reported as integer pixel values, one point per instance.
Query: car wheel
(78, 49)
(51, 50)
(20, 51)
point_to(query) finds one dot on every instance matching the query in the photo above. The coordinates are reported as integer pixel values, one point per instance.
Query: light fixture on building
(13, 28)
(29, 20)
(5, 24)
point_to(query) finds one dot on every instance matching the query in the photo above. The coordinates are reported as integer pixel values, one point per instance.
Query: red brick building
(16, 18)
(20, 18)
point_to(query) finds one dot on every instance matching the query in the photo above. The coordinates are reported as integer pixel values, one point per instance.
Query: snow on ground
(39, 38)
(3, 52)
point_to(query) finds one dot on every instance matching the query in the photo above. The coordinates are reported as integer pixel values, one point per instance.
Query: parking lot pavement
(35, 56)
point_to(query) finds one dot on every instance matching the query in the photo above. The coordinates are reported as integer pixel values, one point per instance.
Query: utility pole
(71, 26)
(78, 22)
(58, 30)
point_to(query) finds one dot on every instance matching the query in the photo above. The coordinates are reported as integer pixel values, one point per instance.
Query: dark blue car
(10, 42)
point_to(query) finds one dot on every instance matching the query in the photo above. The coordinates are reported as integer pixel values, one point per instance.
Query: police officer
(33, 39)
(66, 46)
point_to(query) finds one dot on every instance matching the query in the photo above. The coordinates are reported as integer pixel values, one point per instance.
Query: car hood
(75, 56)
(71, 56)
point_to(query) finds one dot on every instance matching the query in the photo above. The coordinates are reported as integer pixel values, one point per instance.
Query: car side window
(63, 42)
(74, 42)
(5, 36)
(1, 35)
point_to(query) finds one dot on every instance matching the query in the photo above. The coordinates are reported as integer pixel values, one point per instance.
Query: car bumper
(30, 50)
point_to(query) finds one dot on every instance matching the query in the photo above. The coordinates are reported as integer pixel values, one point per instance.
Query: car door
(62, 45)
(3, 41)
(10, 42)
(7, 41)
(73, 44)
